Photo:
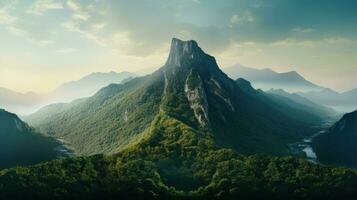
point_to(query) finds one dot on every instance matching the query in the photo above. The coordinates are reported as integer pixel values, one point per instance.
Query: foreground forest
(181, 165)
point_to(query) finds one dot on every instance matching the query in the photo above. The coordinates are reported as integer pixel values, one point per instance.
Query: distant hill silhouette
(266, 79)
(26, 103)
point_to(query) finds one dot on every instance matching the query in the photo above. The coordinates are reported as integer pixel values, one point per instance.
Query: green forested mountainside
(174, 161)
(47, 112)
(191, 88)
(108, 121)
(20, 145)
(337, 146)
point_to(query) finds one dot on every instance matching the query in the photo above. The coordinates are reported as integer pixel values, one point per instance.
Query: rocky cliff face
(197, 98)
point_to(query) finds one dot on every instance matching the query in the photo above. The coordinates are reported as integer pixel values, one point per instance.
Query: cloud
(73, 5)
(12, 23)
(5, 17)
(81, 16)
(303, 30)
(86, 20)
(244, 18)
(80, 13)
(85, 33)
(27, 36)
(98, 26)
(196, 1)
(41, 43)
(122, 40)
(114, 24)
(292, 42)
(337, 40)
(67, 50)
(17, 31)
(137, 33)
(41, 6)
(132, 29)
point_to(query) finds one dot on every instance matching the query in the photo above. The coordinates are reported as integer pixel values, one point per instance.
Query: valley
(178, 99)
(185, 131)
(21, 145)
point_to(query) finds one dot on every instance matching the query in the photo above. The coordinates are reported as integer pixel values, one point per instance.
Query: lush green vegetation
(174, 161)
(107, 122)
(21, 145)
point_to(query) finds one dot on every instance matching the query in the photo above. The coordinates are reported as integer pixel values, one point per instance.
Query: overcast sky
(46, 42)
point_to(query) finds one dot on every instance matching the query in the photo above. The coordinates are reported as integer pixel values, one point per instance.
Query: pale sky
(44, 43)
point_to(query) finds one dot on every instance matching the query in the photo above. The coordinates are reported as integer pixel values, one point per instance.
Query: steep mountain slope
(86, 86)
(107, 121)
(343, 102)
(338, 144)
(266, 79)
(46, 112)
(20, 145)
(190, 88)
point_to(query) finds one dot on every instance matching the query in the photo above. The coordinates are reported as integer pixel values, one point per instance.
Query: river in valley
(64, 149)
(305, 146)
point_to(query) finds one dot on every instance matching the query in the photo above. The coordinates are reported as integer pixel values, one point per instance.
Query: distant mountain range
(87, 86)
(343, 102)
(308, 104)
(21, 103)
(26, 103)
(338, 145)
(267, 79)
(187, 131)
(21, 145)
(294, 83)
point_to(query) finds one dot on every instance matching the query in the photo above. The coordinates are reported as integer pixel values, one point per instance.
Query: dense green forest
(173, 161)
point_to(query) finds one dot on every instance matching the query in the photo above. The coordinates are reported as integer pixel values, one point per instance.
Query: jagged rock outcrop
(197, 98)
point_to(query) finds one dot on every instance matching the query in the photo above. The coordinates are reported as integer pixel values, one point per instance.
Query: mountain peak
(292, 74)
(182, 51)
(245, 85)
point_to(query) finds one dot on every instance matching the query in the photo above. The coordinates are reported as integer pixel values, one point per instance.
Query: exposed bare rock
(197, 98)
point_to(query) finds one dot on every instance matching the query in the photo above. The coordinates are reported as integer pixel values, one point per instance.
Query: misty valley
(179, 99)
